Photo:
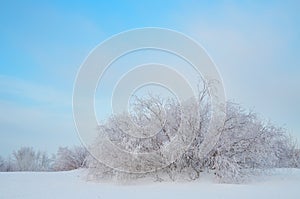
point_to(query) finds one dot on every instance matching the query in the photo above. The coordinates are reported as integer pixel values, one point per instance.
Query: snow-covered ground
(284, 183)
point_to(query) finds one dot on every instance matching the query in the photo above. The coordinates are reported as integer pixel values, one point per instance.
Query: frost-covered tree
(288, 153)
(10, 164)
(166, 116)
(43, 161)
(247, 144)
(69, 159)
(2, 164)
(26, 159)
(6, 165)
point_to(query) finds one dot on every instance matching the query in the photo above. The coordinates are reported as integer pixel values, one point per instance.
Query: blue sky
(256, 46)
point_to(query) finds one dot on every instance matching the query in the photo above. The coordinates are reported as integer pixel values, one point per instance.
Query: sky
(255, 45)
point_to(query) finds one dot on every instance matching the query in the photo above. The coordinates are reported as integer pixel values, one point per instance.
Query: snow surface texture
(284, 183)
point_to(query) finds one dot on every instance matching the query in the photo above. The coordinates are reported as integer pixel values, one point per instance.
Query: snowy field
(72, 184)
